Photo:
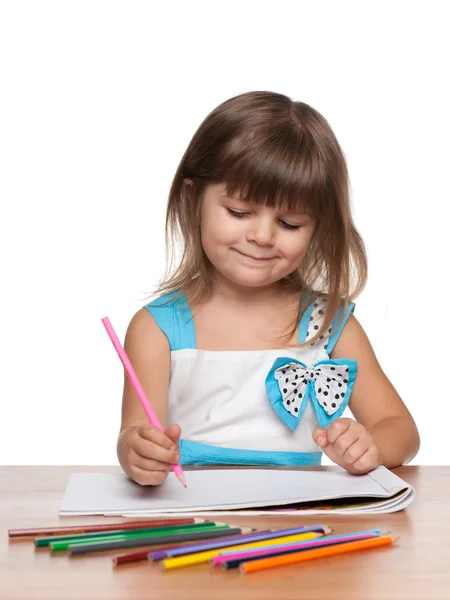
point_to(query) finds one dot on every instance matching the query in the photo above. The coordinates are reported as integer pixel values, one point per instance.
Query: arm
(144, 452)
(385, 432)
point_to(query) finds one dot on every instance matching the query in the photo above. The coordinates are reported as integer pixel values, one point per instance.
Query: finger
(153, 434)
(329, 451)
(147, 477)
(368, 461)
(337, 428)
(355, 451)
(346, 440)
(320, 437)
(151, 450)
(147, 464)
(173, 432)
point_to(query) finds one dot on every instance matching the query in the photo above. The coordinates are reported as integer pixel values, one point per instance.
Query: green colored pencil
(201, 534)
(61, 546)
(41, 542)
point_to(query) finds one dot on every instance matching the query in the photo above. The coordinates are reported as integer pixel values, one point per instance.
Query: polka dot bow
(291, 384)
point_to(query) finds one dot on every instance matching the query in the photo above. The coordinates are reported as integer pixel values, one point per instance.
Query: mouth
(256, 258)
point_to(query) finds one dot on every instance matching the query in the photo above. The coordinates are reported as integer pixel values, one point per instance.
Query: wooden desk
(417, 568)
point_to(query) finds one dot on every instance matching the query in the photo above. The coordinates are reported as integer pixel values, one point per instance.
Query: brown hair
(273, 151)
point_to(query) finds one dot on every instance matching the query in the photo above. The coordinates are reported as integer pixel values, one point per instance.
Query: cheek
(218, 230)
(295, 249)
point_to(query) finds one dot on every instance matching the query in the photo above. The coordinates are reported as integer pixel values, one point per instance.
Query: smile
(255, 258)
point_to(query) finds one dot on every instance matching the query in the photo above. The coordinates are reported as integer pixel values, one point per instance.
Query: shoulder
(166, 300)
(353, 342)
(326, 320)
(172, 315)
(144, 337)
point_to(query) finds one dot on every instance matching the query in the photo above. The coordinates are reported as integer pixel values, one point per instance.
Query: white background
(98, 103)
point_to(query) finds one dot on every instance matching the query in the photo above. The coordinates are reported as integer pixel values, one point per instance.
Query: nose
(261, 231)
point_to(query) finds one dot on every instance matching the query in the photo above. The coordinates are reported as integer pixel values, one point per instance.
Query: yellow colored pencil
(289, 559)
(203, 557)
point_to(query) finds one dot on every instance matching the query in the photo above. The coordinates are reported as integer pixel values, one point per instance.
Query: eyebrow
(285, 211)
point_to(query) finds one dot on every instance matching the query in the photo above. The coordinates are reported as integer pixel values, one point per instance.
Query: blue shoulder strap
(304, 323)
(335, 336)
(174, 317)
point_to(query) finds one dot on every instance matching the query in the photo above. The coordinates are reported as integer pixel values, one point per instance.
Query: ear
(188, 182)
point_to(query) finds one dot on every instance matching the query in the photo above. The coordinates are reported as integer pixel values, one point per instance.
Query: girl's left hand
(350, 445)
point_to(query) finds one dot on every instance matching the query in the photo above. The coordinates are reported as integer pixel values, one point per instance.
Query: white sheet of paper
(226, 490)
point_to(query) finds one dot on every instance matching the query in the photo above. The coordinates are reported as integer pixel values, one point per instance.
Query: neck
(234, 293)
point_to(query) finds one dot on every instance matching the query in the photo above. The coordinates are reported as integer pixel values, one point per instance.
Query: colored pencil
(41, 542)
(152, 541)
(156, 555)
(142, 555)
(74, 529)
(161, 553)
(129, 535)
(203, 557)
(257, 536)
(134, 380)
(232, 553)
(288, 559)
(120, 559)
(230, 560)
(128, 557)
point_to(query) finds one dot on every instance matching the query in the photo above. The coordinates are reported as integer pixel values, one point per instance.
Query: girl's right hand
(149, 452)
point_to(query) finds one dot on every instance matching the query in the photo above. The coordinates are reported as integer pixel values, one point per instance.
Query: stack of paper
(245, 491)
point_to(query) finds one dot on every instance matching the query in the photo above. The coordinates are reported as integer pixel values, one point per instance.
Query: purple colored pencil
(156, 555)
(234, 559)
(232, 541)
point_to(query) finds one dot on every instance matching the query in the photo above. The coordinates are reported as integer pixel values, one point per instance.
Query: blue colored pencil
(235, 559)
(288, 545)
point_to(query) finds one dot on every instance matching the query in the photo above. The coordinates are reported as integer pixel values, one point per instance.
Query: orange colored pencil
(76, 528)
(288, 559)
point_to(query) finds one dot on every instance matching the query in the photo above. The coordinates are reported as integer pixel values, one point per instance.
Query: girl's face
(250, 244)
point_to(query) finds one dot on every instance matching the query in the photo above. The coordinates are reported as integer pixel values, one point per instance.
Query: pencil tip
(183, 480)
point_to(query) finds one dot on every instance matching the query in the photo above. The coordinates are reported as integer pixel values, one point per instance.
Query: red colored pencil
(120, 559)
(47, 531)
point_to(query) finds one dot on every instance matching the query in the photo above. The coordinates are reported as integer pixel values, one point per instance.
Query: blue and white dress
(252, 407)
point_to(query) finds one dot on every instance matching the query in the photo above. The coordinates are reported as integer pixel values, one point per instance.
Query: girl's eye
(241, 214)
(236, 213)
(289, 225)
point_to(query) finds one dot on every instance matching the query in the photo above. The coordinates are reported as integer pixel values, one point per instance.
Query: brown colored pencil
(47, 531)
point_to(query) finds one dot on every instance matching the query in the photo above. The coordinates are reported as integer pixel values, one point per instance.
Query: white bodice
(239, 406)
(220, 398)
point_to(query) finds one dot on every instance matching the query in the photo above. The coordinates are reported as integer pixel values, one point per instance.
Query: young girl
(251, 351)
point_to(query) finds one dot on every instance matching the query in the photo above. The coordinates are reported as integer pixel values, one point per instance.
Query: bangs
(282, 170)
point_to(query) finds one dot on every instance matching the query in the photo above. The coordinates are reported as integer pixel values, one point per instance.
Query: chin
(251, 282)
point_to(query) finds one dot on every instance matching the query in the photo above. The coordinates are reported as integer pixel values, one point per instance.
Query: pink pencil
(138, 388)
(331, 540)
